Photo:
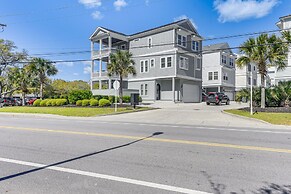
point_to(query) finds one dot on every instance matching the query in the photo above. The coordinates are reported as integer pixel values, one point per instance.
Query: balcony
(104, 53)
(96, 75)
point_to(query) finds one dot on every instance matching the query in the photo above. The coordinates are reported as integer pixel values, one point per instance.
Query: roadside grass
(69, 111)
(274, 118)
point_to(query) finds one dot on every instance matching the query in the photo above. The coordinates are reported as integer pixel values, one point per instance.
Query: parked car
(8, 101)
(31, 101)
(1, 102)
(18, 101)
(217, 98)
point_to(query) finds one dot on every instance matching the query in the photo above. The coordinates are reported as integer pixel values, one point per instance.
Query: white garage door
(230, 95)
(191, 93)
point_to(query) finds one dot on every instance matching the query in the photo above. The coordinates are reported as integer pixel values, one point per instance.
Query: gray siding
(192, 71)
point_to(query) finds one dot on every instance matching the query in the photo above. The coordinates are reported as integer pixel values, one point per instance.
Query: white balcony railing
(103, 53)
(97, 74)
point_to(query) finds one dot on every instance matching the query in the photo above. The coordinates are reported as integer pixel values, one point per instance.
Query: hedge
(94, 102)
(104, 102)
(76, 95)
(37, 102)
(79, 103)
(43, 102)
(85, 102)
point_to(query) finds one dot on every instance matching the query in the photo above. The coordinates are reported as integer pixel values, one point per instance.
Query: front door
(158, 92)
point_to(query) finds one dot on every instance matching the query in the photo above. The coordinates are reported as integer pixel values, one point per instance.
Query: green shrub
(112, 99)
(126, 99)
(104, 102)
(54, 102)
(49, 102)
(93, 102)
(79, 103)
(37, 102)
(76, 95)
(43, 102)
(61, 102)
(85, 102)
(139, 99)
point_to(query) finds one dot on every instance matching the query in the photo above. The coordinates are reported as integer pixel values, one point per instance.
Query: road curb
(248, 118)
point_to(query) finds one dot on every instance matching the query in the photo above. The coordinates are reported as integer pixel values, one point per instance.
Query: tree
(263, 51)
(42, 69)
(282, 93)
(8, 58)
(20, 79)
(121, 65)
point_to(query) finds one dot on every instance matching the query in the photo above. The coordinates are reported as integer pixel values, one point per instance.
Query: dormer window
(195, 45)
(223, 59)
(231, 62)
(182, 40)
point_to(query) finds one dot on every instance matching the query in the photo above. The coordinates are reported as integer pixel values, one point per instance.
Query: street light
(251, 109)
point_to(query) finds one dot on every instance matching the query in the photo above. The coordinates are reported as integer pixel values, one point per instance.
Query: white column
(92, 49)
(109, 83)
(100, 67)
(100, 46)
(173, 88)
(218, 89)
(109, 42)
(100, 84)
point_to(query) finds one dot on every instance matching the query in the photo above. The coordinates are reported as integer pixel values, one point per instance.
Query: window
(182, 40)
(163, 62)
(152, 63)
(184, 63)
(166, 62)
(141, 89)
(249, 80)
(150, 42)
(195, 45)
(146, 89)
(223, 59)
(254, 68)
(141, 66)
(169, 61)
(225, 78)
(144, 66)
(215, 75)
(198, 65)
(122, 47)
(209, 75)
(231, 62)
(249, 67)
(255, 82)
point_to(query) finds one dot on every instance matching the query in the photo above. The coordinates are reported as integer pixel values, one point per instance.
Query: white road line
(107, 177)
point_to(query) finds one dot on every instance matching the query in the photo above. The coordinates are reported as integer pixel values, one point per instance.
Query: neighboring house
(218, 73)
(167, 60)
(244, 75)
(284, 75)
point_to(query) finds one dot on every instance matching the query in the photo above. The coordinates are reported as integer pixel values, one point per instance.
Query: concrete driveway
(189, 114)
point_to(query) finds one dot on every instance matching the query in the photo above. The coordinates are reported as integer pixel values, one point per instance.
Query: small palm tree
(42, 69)
(121, 64)
(264, 51)
(20, 78)
(282, 93)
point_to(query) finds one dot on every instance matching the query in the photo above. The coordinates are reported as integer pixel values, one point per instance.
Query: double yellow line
(200, 143)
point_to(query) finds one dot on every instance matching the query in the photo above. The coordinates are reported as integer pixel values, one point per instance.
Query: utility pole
(2, 27)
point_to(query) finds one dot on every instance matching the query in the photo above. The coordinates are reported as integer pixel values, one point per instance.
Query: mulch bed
(270, 109)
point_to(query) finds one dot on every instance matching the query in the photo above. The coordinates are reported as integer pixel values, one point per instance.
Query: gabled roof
(285, 17)
(217, 47)
(172, 25)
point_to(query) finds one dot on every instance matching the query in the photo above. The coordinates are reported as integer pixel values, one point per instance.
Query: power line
(164, 44)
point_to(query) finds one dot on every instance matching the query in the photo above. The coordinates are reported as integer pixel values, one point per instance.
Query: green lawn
(67, 111)
(274, 118)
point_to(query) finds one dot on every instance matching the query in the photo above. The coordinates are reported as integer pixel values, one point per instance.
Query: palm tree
(42, 69)
(263, 51)
(20, 78)
(121, 64)
(282, 93)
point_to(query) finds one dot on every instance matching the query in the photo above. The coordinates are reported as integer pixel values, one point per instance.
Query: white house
(218, 72)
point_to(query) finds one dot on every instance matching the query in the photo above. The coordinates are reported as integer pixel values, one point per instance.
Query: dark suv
(217, 98)
(7, 101)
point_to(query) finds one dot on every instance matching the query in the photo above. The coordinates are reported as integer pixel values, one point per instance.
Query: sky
(51, 28)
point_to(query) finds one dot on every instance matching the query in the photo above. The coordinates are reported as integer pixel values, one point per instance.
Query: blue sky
(56, 26)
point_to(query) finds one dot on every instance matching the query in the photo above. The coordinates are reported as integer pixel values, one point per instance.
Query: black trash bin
(134, 99)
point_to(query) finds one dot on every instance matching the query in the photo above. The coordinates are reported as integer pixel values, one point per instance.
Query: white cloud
(87, 70)
(147, 2)
(91, 3)
(118, 4)
(97, 15)
(236, 10)
(75, 74)
(182, 17)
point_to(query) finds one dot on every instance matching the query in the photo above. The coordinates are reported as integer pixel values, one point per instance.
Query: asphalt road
(46, 155)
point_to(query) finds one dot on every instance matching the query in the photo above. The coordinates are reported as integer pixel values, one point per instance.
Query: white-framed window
(249, 80)
(141, 66)
(210, 75)
(249, 67)
(169, 61)
(146, 89)
(195, 45)
(254, 68)
(225, 77)
(141, 89)
(215, 75)
(198, 64)
(152, 63)
(150, 42)
(144, 66)
(223, 59)
(166, 62)
(184, 63)
(231, 62)
(182, 40)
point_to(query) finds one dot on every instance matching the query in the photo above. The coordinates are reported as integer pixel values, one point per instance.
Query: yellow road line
(210, 144)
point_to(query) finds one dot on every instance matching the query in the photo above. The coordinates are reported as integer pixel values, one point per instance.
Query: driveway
(189, 114)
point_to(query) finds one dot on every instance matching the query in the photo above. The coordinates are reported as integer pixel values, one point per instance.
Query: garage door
(191, 93)
(230, 95)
